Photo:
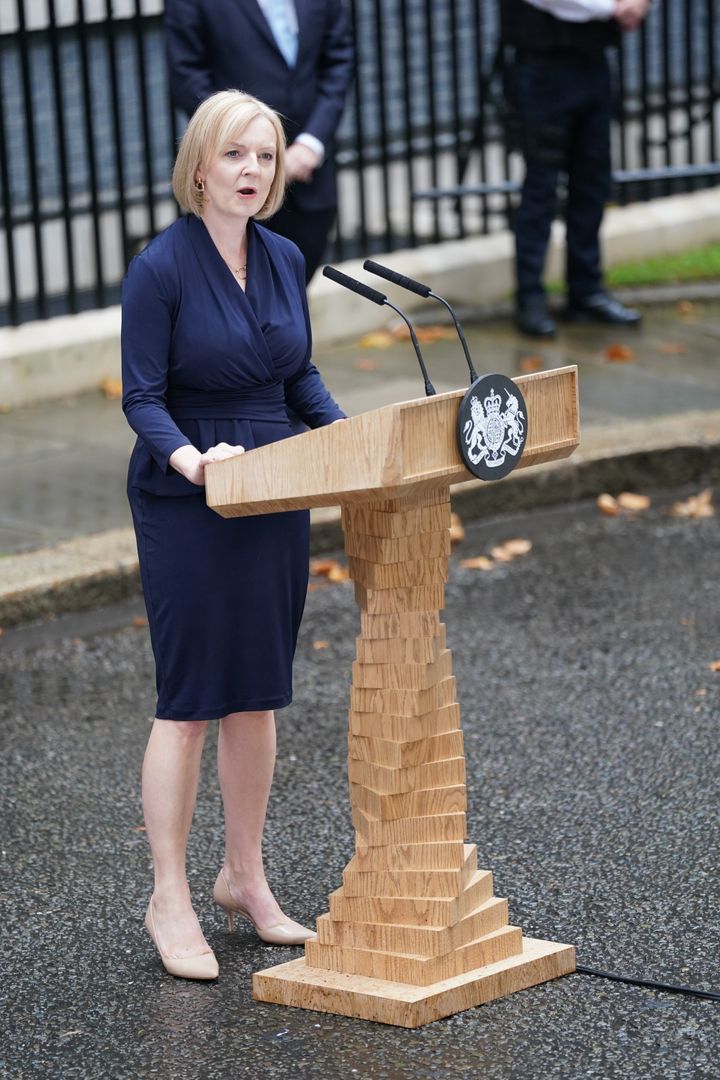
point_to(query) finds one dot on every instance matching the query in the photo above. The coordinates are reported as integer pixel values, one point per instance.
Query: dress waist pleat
(256, 403)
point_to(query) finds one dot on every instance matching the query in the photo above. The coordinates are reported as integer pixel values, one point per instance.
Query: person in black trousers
(294, 55)
(562, 94)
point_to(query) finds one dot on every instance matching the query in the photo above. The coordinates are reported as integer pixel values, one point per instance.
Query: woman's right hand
(191, 463)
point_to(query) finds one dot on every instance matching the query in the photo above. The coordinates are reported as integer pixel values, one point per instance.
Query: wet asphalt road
(592, 725)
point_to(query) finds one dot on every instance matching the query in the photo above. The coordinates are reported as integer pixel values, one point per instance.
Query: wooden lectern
(414, 933)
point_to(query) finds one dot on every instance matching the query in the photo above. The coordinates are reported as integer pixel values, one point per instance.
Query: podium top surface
(386, 452)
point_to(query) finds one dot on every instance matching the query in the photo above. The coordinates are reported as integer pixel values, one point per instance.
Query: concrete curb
(91, 571)
(68, 355)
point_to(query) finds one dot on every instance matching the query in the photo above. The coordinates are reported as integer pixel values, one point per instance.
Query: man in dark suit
(295, 55)
(563, 98)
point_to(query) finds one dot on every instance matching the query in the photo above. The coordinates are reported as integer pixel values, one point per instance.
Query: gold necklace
(235, 269)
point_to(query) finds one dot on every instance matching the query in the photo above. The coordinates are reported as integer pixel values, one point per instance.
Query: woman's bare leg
(246, 760)
(169, 789)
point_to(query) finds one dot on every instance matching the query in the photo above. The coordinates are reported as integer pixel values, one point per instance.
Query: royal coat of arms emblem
(492, 427)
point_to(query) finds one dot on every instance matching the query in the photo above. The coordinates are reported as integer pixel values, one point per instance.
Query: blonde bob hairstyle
(218, 121)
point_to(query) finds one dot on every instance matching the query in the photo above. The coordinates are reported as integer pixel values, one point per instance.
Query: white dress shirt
(578, 11)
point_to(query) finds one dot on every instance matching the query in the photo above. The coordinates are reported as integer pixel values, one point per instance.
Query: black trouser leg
(542, 111)
(533, 222)
(588, 186)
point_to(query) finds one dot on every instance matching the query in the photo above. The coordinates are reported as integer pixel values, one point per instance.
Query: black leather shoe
(534, 319)
(602, 308)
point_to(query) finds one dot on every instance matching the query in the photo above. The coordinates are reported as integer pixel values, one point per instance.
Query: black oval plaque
(492, 427)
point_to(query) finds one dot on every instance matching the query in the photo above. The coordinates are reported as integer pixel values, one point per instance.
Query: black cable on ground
(670, 988)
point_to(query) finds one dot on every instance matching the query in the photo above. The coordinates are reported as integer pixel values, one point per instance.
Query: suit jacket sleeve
(334, 73)
(147, 324)
(187, 54)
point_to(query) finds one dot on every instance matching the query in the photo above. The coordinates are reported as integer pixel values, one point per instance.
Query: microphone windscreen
(355, 286)
(397, 279)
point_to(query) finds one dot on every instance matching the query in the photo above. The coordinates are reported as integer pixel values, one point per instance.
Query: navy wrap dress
(203, 363)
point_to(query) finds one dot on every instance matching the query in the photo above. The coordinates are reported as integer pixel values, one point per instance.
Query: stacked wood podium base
(415, 932)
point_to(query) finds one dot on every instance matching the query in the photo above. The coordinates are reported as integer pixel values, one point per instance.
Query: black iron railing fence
(87, 135)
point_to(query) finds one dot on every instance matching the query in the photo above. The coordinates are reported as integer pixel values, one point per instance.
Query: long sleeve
(334, 74)
(305, 392)
(188, 63)
(147, 325)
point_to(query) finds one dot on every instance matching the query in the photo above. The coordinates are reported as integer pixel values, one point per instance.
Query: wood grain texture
(417, 830)
(440, 911)
(391, 780)
(414, 909)
(401, 702)
(400, 755)
(413, 624)
(434, 855)
(398, 881)
(415, 939)
(403, 676)
(417, 970)
(410, 804)
(386, 454)
(391, 601)
(430, 545)
(297, 984)
(396, 650)
(383, 525)
(395, 576)
(407, 728)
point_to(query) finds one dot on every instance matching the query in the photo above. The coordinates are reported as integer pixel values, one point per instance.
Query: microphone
(422, 290)
(379, 298)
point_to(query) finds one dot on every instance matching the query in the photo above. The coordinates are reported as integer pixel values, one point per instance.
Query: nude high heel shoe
(282, 933)
(201, 966)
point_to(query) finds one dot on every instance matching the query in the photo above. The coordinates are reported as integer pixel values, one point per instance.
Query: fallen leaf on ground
(477, 562)
(685, 307)
(365, 364)
(510, 549)
(671, 348)
(697, 506)
(139, 622)
(528, 364)
(5, 408)
(619, 354)
(702, 692)
(322, 567)
(499, 554)
(715, 666)
(457, 529)
(140, 828)
(111, 388)
(330, 569)
(379, 339)
(607, 505)
(429, 334)
(630, 500)
(517, 546)
(320, 645)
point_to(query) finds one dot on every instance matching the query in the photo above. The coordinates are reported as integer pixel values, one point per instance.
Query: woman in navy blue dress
(215, 347)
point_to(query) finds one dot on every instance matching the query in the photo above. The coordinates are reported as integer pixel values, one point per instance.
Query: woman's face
(238, 180)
